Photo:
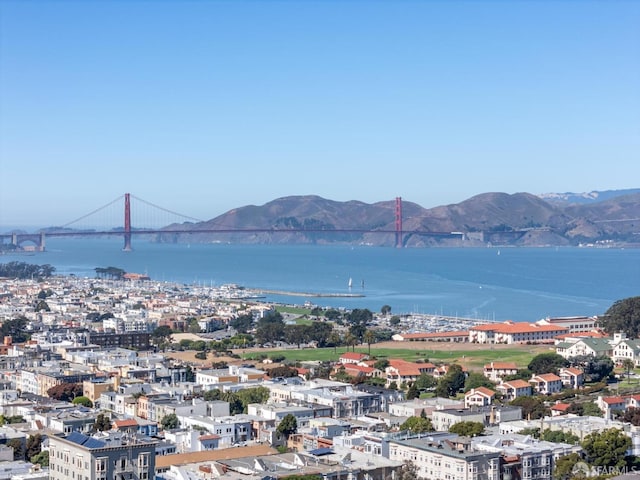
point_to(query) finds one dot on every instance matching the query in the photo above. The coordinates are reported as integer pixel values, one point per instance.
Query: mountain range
(520, 219)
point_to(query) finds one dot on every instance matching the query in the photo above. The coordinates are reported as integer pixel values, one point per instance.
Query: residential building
(103, 456)
(572, 377)
(402, 371)
(594, 347)
(495, 371)
(352, 357)
(443, 419)
(524, 457)
(446, 459)
(479, 397)
(546, 383)
(513, 389)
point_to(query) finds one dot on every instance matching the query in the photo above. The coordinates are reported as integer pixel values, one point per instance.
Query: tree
(563, 469)
(622, 316)
(287, 425)
(102, 424)
(452, 382)
(162, 336)
(467, 429)
(369, 337)
(41, 458)
(82, 400)
(475, 380)
(413, 392)
(42, 306)
(628, 365)
(381, 364)
(320, 332)
(409, 471)
(385, 310)
(631, 415)
(16, 329)
(194, 326)
(34, 445)
(65, 392)
(350, 340)
(296, 334)
(251, 395)
(270, 328)
(590, 409)
(394, 321)
(595, 369)
(242, 323)
(425, 382)
(547, 363)
(170, 421)
(558, 436)
(18, 449)
(334, 340)
(417, 425)
(283, 372)
(532, 407)
(607, 448)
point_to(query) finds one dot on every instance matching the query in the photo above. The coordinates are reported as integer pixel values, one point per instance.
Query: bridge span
(37, 241)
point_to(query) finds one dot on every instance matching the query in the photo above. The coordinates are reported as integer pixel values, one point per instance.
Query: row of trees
(22, 270)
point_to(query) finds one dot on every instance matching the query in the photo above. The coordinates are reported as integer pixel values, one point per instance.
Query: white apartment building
(454, 459)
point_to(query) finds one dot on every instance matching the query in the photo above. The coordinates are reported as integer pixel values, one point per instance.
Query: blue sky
(204, 106)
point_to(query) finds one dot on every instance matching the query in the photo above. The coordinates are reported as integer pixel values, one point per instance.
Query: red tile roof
(405, 368)
(561, 407)
(547, 377)
(481, 390)
(517, 384)
(517, 327)
(354, 356)
(130, 422)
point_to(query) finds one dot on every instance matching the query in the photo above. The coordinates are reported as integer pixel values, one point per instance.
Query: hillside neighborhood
(134, 379)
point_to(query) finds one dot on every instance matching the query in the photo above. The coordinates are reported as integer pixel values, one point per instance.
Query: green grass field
(294, 310)
(473, 359)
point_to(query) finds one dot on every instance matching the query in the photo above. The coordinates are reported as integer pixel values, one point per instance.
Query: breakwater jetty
(261, 291)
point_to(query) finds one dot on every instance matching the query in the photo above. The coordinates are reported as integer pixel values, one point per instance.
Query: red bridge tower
(398, 222)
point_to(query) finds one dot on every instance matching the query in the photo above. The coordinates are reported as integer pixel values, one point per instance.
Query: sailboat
(350, 282)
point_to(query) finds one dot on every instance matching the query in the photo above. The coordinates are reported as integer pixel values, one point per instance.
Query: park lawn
(294, 310)
(474, 359)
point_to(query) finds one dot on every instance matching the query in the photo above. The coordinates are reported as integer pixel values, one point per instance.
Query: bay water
(520, 284)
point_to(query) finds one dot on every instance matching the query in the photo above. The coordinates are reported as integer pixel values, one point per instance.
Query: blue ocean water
(521, 284)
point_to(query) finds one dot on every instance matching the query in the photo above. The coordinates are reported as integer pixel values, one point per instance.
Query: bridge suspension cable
(93, 212)
(166, 210)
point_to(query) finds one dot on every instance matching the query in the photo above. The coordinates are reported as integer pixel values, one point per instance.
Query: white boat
(350, 282)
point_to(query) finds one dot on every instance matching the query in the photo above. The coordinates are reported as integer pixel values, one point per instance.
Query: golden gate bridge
(176, 223)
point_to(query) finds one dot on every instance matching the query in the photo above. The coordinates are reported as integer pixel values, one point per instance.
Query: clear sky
(208, 105)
